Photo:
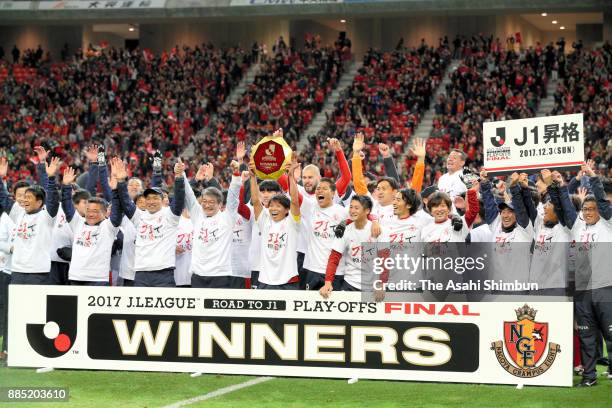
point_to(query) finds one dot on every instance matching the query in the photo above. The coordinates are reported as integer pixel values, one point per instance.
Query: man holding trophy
(279, 224)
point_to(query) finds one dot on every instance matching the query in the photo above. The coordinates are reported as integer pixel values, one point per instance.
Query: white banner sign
(526, 145)
(101, 5)
(281, 2)
(15, 5)
(290, 333)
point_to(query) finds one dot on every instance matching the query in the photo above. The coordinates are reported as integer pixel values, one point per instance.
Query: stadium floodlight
(554, 21)
(343, 21)
(562, 27)
(544, 14)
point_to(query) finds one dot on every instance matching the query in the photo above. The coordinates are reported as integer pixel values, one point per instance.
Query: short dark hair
(590, 199)
(213, 192)
(38, 192)
(332, 183)
(411, 197)
(392, 182)
(365, 201)
(438, 198)
(270, 185)
(100, 201)
(20, 184)
(138, 197)
(81, 195)
(372, 186)
(461, 152)
(282, 200)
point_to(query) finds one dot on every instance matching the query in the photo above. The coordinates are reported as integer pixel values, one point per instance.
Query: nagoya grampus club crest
(525, 343)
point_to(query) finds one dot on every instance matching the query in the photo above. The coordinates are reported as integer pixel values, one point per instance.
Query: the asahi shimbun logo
(525, 343)
(57, 335)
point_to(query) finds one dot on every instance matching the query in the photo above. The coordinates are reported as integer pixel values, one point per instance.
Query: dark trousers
(284, 286)
(346, 287)
(216, 282)
(86, 283)
(125, 282)
(19, 278)
(315, 280)
(302, 273)
(5, 280)
(593, 316)
(59, 273)
(163, 278)
(254, 279)
(237, 282)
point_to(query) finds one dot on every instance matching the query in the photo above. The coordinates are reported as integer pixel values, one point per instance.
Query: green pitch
(137, 389)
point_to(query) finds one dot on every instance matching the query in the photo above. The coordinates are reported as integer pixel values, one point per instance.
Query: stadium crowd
(132, 102)
(388, 95)
(306, 230)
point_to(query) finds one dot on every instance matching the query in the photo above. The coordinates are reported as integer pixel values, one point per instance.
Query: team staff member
(511, 229)
(211, 259)
(31, 260)
(7, 229)
(593, 299)
(93, 235)
(156, 229)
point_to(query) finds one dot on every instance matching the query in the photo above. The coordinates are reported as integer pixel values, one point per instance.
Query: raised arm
(52, 201)
(93, 172)
(532, 212)
(116, 209)
(359, 183)
(345, 172)
(67, 204)
(419, 151)
(178, 204)
(603, 204)
(41, 167)
(522, 218)
(190, 199)
(233, 199)
(243, 209)
(255, 199)
(119, 172)
(491, 209)
(103, 175)
(293, 187)
(388, 162)
(473, 205)
(567, 208)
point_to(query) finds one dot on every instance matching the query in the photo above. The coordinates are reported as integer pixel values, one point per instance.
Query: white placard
(15, 5)
(528, 145)
(289, 333)
(281, 2)
(101, 4)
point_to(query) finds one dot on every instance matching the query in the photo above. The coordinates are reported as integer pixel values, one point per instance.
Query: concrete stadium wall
(378, 32)
(51, 37)
(159, 37)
